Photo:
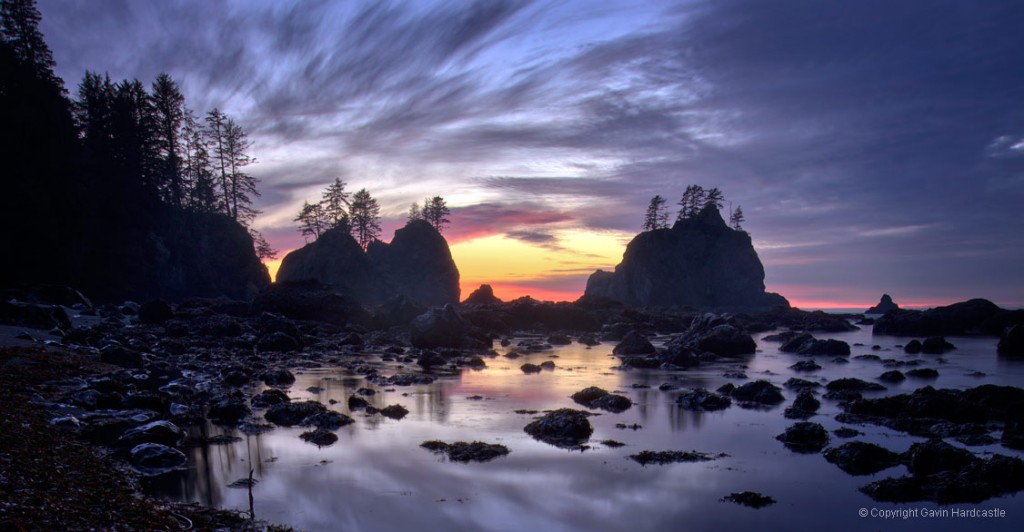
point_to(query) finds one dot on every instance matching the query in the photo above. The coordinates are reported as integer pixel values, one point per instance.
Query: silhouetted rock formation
(417, 264)
(977, 316)
(482, 296)
(884, 305)
(699, 262)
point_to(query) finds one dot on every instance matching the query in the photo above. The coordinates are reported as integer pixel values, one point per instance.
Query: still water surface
(376, 477)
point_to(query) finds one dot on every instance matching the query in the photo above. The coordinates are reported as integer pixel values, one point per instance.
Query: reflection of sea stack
(417, 264)
(885, 305)
(700, 262)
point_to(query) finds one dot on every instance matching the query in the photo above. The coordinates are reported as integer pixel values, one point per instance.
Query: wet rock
(309, 300)
(701, 399)
(805, 405)
(278, 377)
(634, 343)
(1013, 434)
(152, 459)
(121, 356)
(670, 457)
(356, 402)
(726, 341)
(155, 311)
(588, 340)
(228, 411)
(329, 420)
(861, 458)
(759, 392)
(612, 403)
(782, 337)
(291, 414)
(461, 451)
(805, 344)
(559, 339)
(219, 325)
(268, 398)
(800, 384)
(936, 455)
(588, 395)
(913, 347)
(394, 411)
(936, 345)
(726, 389)
(408, 379)
(892, 376)
(319, 437)
(278, 341)
(853, 384)
(923, 373)
(96, 400)
(162, 432)
(847, 432)
(548, 365)
(804, 437)
(1011, 342)
(439, 327)
(530, 368)
(43, 317)
(805, 365)
(430, 359)
(749, 498)
(977, 316)
(564, 427)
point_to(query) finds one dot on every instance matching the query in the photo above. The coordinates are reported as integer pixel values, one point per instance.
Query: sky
(874, 146)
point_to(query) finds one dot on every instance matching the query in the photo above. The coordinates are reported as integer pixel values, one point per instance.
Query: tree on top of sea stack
(364, 214)
(436, 211)
(656, 216)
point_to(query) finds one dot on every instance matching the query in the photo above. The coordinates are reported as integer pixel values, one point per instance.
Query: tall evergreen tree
(215, 134)
(335, 203)
(169, 106)
(198, 185)
(714, 197)
(20, 30)
(364, 212)
(436, 211)
(264, 251)
(656, 216)
(241, 185)
(692, 202)
(312, 221)
(414, 212)
(736, 218)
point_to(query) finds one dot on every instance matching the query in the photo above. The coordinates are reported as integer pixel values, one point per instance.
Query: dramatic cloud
(876, 145)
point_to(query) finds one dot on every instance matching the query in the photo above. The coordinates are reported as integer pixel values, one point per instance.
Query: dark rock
(356, 402)
(278, 377)
(977, 316)
(461, 451)
(564, 427)
(34, 316)
(530, 368)
(559, 339)
(398, 311)
(219, 325)
(235, 376)
(751, 499)
(936, 345)
(482, 297)
(439, 327)
(430, 359)
(94, 399)
(670, 457)
(847, 432)
(892, 376)
(394, 411)
(760, 392)
(726, 389)
(293, 413)
(309, 300)
(804, 437)
(319, 437)
(700, 262)
(634, 343)
(849, 383)
(1013, 434)
(884, 305)
(800, 384)
(277, 341)
(805, 365)
(152, 459)
(228, 411)
(121, 356)
(726, 341)
(803, 406)
(701, 399)
(936, 455)
(913, 347)
(825, 347)
(861, 458)
(782, 337)
(162, 432)
(548, 365)
(587, 396)
(406, 379)
(612, 403)
(268, 398)
(328, 420)
(923, 373)
(1011, 342)
(588, 340)
(155, 311)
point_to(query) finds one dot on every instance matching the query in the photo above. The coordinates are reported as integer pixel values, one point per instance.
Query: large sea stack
(416, 265)
(700, 263)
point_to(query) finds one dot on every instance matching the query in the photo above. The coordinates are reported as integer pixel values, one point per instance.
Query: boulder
(327, 420)
(277, 341)
(482, 297)
(936, 345)
(155, 311)
(162, 432)
(726, 341)
(309, 300)
(884, 305)
(268, 398)
(804, 406)
(461, 451)
(278, 377)
(759, 392)
(861, 458)
(700, 262)
(121, 356)
(293, 413)
(564, 427)
(892, 376)
(228, 411)
(1011, 342)
(976, 316)
(701, 399)
(804, 437)
(394, 411)
(153, 459)
(634, 343)
(319, 437)
(439, 327)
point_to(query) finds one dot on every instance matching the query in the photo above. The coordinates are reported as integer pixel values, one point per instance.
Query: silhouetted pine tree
(364, 212)
(736, 218)
(656, 216)
(414, 212)
(312, 220)
(436, 211)
(714, 197)
(335, 202)
(169, 108)
(692, 202)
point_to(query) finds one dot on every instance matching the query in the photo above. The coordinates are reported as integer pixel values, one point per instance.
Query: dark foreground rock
(461, 451)
(862, 458)
(804, 406)
(670, 457)
(946, 474)
(319, 437)
(564, 427)
(976, 316)
(808, 345)
(759, 392)
(1011, 342)
(701, 399)
(634, 343)
(291, 414)
(594, 397)
(751, 499)
(152, 459)
(804, 437)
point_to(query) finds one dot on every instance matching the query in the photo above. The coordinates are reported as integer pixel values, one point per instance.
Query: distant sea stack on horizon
(699, 262)
(884, 305)
(417, 265)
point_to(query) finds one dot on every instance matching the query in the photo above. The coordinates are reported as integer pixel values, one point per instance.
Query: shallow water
(376, 477)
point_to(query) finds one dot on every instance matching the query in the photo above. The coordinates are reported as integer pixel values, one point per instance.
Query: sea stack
(700, 263)
(884, 305)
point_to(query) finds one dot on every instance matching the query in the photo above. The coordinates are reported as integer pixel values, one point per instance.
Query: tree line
(694, 200)
(359, 214)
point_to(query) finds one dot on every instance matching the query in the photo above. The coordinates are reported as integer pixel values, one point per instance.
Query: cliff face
(417, 264)
(699, 262)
